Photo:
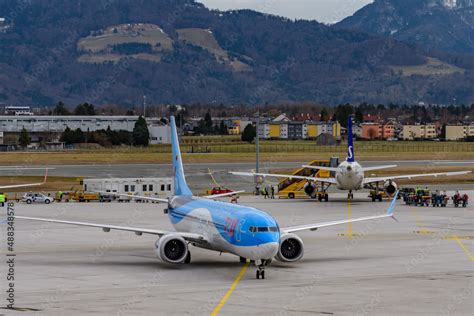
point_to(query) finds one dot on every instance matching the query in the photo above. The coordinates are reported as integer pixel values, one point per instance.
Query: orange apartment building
(377, 131)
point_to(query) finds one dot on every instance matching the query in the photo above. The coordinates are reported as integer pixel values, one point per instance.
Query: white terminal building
(50, 128)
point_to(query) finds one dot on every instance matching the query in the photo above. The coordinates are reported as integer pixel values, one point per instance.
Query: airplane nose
(269, 251)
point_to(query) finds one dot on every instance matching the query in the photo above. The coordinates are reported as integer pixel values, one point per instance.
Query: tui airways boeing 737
(246, 232)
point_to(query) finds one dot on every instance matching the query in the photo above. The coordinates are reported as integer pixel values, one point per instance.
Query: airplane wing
(252, 174)
(332, 169)
(13, 186)
(346, 221)
(106, 228)
(378, 167)
(410, 176)
(135, 197)
(215, 196)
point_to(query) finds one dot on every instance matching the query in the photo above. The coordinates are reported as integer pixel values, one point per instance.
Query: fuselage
(244, 231)
(349, 176)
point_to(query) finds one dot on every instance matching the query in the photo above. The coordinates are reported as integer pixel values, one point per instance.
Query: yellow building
(458, 132)
(233, 130)
(312, 130)
(274, 130)
(336, 130)
(427, 131)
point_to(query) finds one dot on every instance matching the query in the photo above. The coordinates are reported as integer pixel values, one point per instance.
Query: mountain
(439, 25)
(178, 51)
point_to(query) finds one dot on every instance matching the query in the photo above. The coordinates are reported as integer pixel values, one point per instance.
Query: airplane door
(238, 230)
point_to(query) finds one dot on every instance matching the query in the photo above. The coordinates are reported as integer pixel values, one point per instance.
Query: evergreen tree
(84, 109)
(141, 135)
(24, 139)
(67, 136)
(359, 115)
(223, 128)
(342, 113)
(249, 133)
(61, 109)
(324, 115)
(78, 136)
(208, 121)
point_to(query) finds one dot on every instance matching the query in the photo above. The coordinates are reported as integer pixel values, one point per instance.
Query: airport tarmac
(421, 265)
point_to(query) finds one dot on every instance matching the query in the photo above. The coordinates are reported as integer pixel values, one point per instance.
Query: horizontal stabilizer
(215, 196)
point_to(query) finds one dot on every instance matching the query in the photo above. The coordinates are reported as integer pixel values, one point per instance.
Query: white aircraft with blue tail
(349, 175)
(246, 232)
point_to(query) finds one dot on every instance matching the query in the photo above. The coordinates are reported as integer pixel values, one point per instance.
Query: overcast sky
(327, 11)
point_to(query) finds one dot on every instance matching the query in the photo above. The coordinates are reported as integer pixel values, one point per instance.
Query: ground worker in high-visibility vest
(2, 199)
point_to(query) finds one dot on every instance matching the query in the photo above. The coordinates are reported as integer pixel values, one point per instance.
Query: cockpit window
(263, 229)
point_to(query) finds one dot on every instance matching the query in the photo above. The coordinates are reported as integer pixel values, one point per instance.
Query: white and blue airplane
(349, 175)
(246, 232)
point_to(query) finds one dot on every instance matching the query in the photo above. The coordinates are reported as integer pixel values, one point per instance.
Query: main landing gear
(323, 192)
(187, 260)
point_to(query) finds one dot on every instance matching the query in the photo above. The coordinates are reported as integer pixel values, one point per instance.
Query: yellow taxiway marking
(463, 247)
(231, 289)
(349, 214)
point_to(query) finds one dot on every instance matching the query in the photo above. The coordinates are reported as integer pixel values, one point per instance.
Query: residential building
(459, 132)
(371, 131)
(298, 130)
(357, 130)
(419, 131)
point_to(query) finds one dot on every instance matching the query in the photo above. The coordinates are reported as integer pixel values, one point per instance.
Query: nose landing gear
(261, 268)
(350, 195)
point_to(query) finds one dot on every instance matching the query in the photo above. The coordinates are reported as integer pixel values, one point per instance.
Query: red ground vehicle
(218, 190)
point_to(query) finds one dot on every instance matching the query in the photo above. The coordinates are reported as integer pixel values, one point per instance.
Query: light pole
(257, 154)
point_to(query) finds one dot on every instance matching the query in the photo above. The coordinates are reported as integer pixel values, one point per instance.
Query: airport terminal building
(50, 128)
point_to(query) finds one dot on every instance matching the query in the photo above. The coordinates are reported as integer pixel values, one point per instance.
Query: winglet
(390, 209)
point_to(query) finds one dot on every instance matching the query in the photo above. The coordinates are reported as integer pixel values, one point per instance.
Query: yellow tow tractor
(80, 196)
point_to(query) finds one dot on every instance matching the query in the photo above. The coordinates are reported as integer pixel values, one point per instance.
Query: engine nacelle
(310, 189)
(390, 187)
(171, 248)
(291, 248)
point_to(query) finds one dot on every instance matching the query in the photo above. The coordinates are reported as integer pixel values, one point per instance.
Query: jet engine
(171, 248)
(390, 187)
(310, 188)
(291, 248)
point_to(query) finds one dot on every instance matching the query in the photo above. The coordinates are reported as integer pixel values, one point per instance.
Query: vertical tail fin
(350, 144)
(180, 185)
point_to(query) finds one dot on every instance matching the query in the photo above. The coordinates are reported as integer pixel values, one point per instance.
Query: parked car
(36, 198)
